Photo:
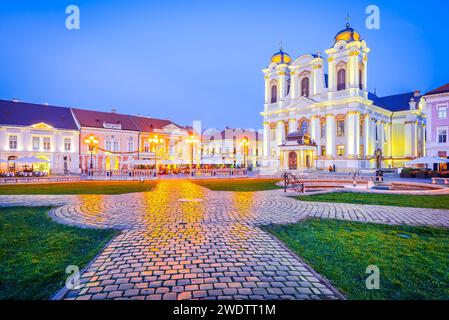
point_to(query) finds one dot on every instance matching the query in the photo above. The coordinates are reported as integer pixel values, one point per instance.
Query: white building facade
(45, 132)
(316, 120)
(231, 147)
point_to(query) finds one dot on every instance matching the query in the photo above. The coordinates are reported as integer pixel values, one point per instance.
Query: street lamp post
(91, 141)
(244, 144)
(155, 141)
(192, 141)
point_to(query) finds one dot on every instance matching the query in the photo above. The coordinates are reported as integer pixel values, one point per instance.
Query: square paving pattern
(182, 241)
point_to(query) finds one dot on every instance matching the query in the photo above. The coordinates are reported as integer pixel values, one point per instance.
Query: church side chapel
(317, 119)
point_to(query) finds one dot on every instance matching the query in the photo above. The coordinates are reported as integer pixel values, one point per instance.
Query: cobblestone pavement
(182, 241)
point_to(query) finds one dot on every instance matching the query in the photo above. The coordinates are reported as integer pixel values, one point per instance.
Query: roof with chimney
(396, 102)
(442, 89)
(18, 113)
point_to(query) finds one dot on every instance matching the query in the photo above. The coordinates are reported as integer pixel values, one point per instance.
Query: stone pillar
(292, 125)
(408, 139)
(387, 151)
(367, 143)
(332, 76)
(330, 135)
(353, 69)
(381, 136)
(357, 134)
(350, 134)
(266, 139)
(316, 79)
(314, 129)
(267, 90)
(294, 89)
(282, 85)
(280, 134)
(373, 126)
(415, 139)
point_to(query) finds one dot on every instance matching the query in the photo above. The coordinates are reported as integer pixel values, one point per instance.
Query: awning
(31, 159)
(427, 160)
(142, 162)
(3, 161)
(212, 161)
(174, 161)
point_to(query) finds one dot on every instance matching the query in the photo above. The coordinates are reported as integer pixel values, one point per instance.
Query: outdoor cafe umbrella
(427, 160)
(31, 159)
(142, 162)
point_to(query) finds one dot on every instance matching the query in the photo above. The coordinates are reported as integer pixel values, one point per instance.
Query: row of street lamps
(92, 141)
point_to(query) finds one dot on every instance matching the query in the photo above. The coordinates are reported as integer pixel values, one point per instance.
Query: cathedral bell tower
(277, 78)
(348, 61)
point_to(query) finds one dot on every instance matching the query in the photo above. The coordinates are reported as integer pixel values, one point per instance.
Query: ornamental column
(408, 139)
(266, 139)
(292, 125)
(350, 134)
(387, 151)
(267, 90)
(330, 135)
(315, 131)
(357, 134)
(282, 85)
(353, 69)
(381, 135)
(366, 144)
(280, 135)
(294, 90)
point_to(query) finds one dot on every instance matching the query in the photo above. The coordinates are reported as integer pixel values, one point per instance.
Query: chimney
(416, 93)
(114, 110)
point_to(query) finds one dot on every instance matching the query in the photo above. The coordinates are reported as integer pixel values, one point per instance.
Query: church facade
(318, 120)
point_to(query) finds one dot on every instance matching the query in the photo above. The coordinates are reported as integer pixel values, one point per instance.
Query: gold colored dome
(348, 35)
(281, 57)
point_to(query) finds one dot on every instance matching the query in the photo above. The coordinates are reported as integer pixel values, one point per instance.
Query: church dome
(281, 57)
(348, 34)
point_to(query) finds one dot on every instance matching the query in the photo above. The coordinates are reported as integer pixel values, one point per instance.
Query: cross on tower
(348, 17)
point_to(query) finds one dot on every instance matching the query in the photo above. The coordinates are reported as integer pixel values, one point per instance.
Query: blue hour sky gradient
(202, 60)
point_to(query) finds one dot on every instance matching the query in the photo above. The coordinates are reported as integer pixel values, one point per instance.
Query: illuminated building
(317, 120)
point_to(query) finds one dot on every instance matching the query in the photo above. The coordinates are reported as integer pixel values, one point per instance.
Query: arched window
(360, 79)
(288, 85)
(341, 79)
(274, 93)
(304, 127)
(305, 87)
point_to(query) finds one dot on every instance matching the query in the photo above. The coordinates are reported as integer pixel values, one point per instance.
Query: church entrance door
(292, 161)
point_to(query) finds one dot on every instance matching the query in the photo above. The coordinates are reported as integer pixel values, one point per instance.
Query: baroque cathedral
(314, 119)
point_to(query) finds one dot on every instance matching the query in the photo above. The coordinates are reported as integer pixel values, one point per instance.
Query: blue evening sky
(202, 60)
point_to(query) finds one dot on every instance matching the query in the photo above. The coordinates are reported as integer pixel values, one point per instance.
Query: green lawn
(413, 261)
(238, 184)
(35, 251)
(436, 202)
(81, 187)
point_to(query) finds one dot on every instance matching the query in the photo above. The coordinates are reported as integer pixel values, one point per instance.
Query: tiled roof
(394, 103)
(97, 119)
(26, 114)
(149, 124)
(438, 90)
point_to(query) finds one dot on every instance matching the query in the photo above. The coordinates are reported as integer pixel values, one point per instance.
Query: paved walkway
(182, 241)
